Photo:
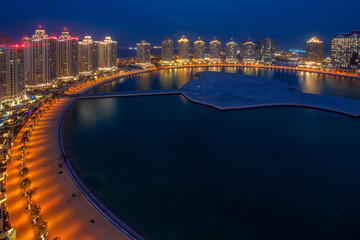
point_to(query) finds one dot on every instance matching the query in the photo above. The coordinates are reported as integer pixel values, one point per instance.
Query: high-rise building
(107, 54)
(231, 49)
(12, 74)
(143, 52)
(86, 58)
(248, 53)
(257, 51)
(95, 56)
(215, 49)
(167, 50)
(67, 56)
(183, 49)
(40, 63)
(314, 50)
(268, 51)
(343, 48)
(199, 50)
(53, 44)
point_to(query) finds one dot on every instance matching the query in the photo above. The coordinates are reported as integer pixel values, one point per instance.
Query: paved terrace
(226, 91)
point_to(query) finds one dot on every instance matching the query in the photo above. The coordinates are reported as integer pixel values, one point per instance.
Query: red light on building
(23, 45)
(40, 26)
(65, 29)
(16, 45)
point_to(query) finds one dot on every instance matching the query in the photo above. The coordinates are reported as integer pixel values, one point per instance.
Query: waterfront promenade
(67, 211)
(63, 206)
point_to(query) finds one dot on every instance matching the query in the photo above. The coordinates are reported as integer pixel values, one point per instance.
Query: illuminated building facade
(40, 66)
(183, 49)
(248, 52)
(215, 49)
(95, 56)
(199, 50)
(167, 50)
(107, 51)
(67, 56)
(86, 59)
(12, 73)
(143, 52)
(268, 51)
(314, 50)
(344, 47)
(231, 49)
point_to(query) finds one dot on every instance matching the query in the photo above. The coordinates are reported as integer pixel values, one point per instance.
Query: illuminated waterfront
(169, 167)
(175, 78)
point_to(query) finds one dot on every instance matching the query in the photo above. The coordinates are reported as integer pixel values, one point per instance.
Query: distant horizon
(191, 37)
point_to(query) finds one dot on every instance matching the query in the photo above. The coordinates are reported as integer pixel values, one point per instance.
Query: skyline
(291, 25)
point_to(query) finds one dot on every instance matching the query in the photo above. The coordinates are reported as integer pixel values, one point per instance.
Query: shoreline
(100, 207)
(109, 221)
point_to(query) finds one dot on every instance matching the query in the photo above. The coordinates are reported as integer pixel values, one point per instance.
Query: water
(172, 169)
(175, 78)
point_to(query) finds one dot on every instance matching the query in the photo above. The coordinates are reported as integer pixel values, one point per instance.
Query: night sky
(289, 22)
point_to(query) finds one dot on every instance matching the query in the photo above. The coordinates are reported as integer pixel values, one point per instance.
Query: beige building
(183, 49)
(107, 54)
(12, 74)
(40, 60)
(215, 50)
(199, 50)
(231, 49)
(345, 47)
(67, 56)
(314, 50)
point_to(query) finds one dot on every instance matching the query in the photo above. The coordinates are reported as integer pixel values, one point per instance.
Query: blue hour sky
(290, 23)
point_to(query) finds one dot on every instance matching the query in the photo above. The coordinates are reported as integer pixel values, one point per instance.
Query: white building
(167, 50)
(143, 52)
(183, 49)
(107, 54)
(231, 49)
(199, 50)
(40, 60)
(86, 56)
(268, 51)
(12, 74)
(215, 50)
(67, 56)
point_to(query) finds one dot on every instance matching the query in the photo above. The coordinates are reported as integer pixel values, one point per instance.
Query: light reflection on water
(176, 78)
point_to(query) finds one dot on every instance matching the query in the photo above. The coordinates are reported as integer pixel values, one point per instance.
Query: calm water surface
(173, 169)
(175, 78)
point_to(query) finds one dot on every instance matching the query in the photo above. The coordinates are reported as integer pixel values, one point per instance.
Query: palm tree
(29, 194)
(22, 148)
(25, 139)
(25, 183)
(26, 133)
(35, 212)
(23, 171)
(42, 229)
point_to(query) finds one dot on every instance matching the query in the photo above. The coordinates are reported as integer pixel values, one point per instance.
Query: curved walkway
(67, 211)
(63, 206)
